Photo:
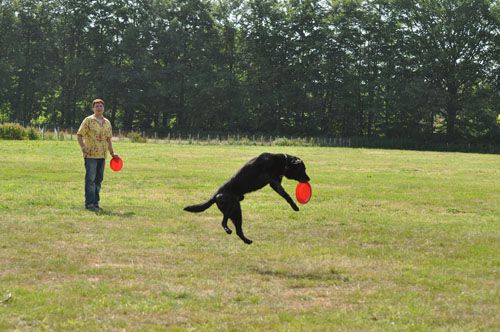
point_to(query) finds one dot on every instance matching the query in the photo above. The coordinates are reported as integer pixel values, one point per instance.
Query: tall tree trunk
(113, 109)
(451, 110)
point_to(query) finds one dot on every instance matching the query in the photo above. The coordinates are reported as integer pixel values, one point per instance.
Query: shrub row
(18, 132)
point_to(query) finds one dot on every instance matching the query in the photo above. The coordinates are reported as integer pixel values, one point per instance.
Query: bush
(33, 134)
(284, 141)
(18, 132)
(49, 136)
(246, 141)
(136, 137)
(12, 131)
(243, 140)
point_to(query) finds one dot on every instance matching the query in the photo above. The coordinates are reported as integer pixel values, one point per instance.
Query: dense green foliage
(424, 70)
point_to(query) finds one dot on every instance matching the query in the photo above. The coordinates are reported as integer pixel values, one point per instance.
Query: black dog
(265, 169)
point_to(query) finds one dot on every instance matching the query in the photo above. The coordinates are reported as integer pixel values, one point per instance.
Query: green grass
(391, 240)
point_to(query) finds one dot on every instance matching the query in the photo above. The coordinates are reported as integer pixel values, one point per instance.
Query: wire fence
(203, 138)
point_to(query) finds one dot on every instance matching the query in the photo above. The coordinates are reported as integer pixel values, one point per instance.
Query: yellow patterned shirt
(95, 136)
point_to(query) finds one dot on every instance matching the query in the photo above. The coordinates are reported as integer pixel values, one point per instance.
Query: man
(94, 137)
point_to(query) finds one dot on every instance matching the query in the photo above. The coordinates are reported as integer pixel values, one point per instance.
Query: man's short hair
(95, 101)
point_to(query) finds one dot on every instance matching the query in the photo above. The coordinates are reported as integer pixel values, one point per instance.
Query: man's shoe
(91, 207)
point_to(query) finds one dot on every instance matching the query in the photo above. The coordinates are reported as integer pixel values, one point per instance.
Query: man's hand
(85, 149)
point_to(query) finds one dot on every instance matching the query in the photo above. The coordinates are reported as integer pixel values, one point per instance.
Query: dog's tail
(200, 207)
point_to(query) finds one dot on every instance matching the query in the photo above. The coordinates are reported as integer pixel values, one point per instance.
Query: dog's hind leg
(224, 224)
(226, 206)
(237, 220)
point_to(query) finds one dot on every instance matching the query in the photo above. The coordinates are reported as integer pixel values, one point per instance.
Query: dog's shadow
(332, 275)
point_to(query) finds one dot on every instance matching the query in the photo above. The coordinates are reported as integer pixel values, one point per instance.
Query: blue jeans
(94, 173)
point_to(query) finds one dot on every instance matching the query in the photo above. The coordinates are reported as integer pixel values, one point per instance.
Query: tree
(452, 42)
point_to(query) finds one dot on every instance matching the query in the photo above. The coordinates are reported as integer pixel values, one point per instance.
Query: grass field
(391, 240)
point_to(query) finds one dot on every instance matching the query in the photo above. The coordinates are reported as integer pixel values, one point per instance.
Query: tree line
(417, 69)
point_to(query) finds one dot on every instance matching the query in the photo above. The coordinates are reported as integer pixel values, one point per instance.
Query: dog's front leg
(281, 191)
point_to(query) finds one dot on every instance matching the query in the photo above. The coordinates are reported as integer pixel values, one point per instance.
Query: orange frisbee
(303, 192)
(116, 164)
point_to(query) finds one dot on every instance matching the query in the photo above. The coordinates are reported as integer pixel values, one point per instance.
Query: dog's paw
(228, 230)
(295, 207)
(248, 241)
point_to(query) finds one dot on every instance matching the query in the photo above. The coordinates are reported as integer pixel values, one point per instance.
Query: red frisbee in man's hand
(303, 192)
(116, 164)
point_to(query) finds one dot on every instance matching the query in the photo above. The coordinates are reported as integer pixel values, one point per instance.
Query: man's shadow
(111, 213)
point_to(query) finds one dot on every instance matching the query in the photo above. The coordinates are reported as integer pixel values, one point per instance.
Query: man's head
(98, 106)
